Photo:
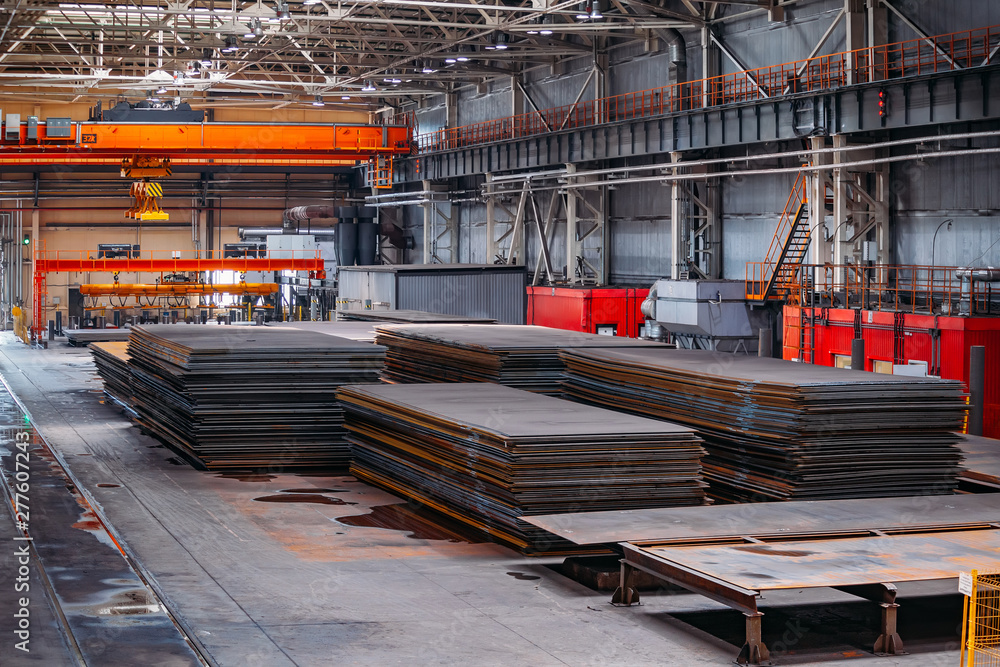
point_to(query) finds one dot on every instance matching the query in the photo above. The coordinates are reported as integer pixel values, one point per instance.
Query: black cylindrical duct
(347, 243)
(367, 243)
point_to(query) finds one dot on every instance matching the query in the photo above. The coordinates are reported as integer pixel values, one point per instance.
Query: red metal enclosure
(591, 310)
(901, 338)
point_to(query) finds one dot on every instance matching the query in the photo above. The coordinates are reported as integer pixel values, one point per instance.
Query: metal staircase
(777, 277)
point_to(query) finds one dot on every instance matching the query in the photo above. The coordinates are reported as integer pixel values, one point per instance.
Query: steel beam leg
(754, 652)
(888, 642)
(626, 594)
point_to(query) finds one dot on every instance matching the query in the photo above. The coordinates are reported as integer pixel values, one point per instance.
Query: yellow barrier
(981, 619)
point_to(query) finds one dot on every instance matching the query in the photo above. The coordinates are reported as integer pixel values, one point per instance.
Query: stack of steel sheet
(353, 330)
(777, 430)
(487, 455)
(111, 359)
(526, 357)
(248, 397)
(84, 337)
(412, 316)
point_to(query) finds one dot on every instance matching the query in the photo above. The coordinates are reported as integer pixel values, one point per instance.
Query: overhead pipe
(395, 235)
(988, 274)
(969, 275)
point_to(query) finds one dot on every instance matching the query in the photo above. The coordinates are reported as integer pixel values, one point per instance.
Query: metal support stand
(888, 642)
(626, 595)
(754, 652)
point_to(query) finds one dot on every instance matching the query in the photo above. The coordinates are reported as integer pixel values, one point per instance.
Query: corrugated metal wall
(922, 195)
(496, 294)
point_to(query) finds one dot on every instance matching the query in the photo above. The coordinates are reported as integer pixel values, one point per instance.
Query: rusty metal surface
(801, 517)
(488, 454)
(229, 397)
(359, 331)
(83, 337)
(777, 430)
(412, 316)
(522, 356)
(838, 562)
(982, 459)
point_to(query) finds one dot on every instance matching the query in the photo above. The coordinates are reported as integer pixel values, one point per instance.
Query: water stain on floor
(246, 476)
(314, 490)
(421, 524)
(313, 498)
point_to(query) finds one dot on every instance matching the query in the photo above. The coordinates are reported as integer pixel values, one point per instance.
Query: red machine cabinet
(940, 341)
(588, 309)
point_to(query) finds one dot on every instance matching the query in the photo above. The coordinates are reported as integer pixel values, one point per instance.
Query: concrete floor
(274, 584)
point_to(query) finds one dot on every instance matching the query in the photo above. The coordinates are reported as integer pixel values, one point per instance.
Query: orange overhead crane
(205, 143)
(146, 150)
(162, 263)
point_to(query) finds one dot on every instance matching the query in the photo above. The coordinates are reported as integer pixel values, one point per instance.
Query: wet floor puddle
(421, 524)
(313, 498)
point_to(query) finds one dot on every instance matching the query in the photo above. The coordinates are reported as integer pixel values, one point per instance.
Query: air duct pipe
(393, 234)
(677, 53)
(969, 275)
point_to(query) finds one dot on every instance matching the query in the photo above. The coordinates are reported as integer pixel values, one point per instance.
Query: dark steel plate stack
(231, 397)
(778, 430)
(84, 337)
(526, 357)
(486, 455)
(111, 359)
(413, 316)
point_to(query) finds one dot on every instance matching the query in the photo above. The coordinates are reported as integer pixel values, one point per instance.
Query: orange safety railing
(958, 50)
(893, 287)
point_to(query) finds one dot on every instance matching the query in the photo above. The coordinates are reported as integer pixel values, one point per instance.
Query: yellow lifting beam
(176, 289)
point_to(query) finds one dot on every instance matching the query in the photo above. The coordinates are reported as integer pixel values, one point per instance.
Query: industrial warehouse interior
(500, 332)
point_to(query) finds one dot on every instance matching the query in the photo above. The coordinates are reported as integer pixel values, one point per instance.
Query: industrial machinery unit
(610, 311)
(495, 291)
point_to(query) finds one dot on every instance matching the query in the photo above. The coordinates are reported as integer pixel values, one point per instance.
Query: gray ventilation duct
(677, 52)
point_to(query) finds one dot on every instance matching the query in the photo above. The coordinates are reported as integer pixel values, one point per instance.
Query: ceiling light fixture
(345, 97)
(282, 13)
(450, 61)
(369, 87)
(161, 90)
(318, 102)
(258, 30)
(230, 44)
(206, 58)
(500, 41)
(250, 34)
(427, 69)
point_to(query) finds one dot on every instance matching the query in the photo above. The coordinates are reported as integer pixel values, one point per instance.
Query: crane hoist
(145, 192)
